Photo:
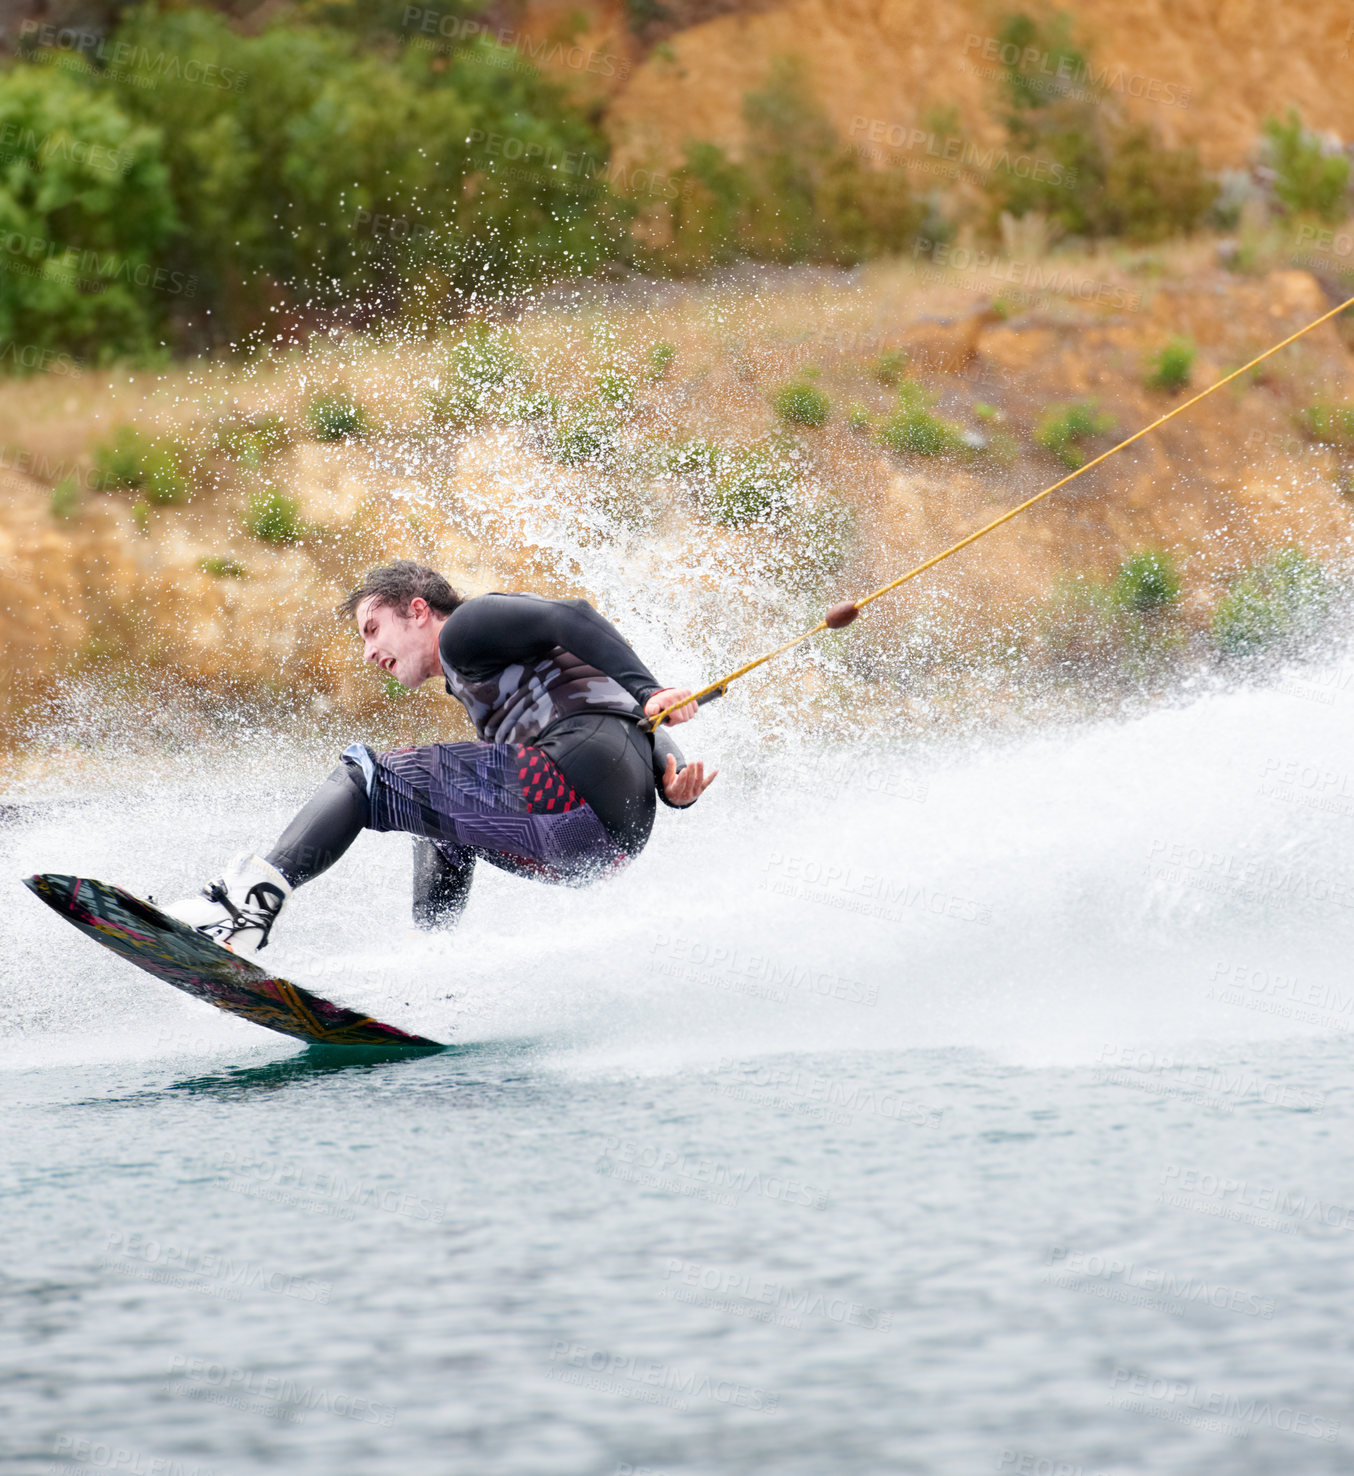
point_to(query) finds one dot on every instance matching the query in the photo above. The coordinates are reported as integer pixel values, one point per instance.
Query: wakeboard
(171, 950)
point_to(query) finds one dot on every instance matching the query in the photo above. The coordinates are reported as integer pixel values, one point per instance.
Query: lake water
(938, 1111)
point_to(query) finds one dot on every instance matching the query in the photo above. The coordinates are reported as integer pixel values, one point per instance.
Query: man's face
(403, 646)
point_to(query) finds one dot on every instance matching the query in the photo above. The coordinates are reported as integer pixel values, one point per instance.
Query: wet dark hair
(399, 583)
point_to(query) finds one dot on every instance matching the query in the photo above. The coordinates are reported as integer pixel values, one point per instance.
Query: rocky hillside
(109, 587)
(1205, 75)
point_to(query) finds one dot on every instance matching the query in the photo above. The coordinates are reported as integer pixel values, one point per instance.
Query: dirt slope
(1206, 72)
(1221, 488)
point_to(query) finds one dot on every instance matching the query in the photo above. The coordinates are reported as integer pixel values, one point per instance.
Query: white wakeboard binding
(239, 910)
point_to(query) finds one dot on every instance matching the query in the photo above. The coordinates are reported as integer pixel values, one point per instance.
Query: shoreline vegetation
(178, 181)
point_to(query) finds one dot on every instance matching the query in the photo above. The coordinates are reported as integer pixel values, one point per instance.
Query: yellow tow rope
(842, 615)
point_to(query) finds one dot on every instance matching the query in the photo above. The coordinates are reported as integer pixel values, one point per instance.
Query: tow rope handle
(837, 618)
(651, 724)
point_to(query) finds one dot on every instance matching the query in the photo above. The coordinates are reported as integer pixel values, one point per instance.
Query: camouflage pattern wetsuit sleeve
(519, 663)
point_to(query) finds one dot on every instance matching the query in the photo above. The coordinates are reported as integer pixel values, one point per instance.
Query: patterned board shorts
(504, 802)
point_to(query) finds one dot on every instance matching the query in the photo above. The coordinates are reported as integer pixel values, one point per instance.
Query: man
(561, 785)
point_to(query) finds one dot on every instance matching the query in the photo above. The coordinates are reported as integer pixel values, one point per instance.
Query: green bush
(86, 209)
(336, 417)
(1279, 598)
(1150, 192)
(536, 405)
(1127, 626)
(890, 367)
(1172, 367)
(582, 431)
(914, 431)
(1146, 581)
(617, 389)
(858, 418)
(751, 486)
(1063, 428)
(660, 360)
(150, 465)
(484, 376)
(220, 567)
(917, 433)
(273, 517)
(1099, 175)
(800, 193)
(253, 440)
(1331, 425)
(66, 498)
(1308, 180)
(692, 458)
(802, 404)
(279, 172)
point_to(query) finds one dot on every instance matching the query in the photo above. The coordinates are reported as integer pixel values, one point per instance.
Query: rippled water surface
(938, 1112)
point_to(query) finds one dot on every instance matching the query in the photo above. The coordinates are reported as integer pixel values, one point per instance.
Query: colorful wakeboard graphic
(172, 951)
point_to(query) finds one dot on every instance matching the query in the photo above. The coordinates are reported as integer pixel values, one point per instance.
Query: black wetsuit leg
(323, 829)
(441, 884)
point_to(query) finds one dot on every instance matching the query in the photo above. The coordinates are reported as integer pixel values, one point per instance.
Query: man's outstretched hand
(688, 786)
(666, 698)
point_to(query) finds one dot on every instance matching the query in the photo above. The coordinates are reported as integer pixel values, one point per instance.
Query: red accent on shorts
(543, 786)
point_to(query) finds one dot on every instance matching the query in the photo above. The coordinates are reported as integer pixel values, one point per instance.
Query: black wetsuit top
(556, 674)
